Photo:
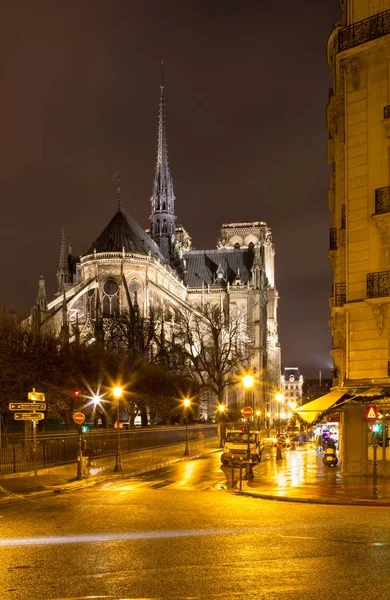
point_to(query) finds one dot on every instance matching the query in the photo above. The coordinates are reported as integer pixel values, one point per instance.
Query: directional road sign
(39, 396)
(29, 416)
(33, 406)
(247, 412)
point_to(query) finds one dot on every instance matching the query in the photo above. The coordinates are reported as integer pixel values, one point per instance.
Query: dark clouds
(246, 89)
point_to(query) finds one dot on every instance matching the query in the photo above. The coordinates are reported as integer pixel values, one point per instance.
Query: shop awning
(310, 411)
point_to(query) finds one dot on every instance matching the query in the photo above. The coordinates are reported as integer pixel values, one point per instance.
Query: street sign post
(32, 406)
(36, 396)
(29, 416)
(79, 419)
(247, 412)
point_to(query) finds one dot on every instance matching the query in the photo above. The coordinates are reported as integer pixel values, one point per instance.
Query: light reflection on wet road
(187, 539)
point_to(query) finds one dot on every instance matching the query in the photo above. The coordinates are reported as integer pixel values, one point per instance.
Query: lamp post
(186, 403)
(221, 414)
(248, 384)
(279, 399)
(117, 393)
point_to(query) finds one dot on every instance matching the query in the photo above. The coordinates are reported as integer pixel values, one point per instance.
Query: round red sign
(79, 418)
(247, 412)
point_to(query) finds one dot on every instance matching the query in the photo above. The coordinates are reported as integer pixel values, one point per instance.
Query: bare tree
(213, 345)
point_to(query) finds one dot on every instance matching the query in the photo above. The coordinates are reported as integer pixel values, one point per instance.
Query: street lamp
(248, 384)
(221, 414)
(186, 403)
(279, 399)
(117, 393)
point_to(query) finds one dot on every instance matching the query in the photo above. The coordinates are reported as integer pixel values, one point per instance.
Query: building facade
(358, 119)
(158, 267)
(291, 383)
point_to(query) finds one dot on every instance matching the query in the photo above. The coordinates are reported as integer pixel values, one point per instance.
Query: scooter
(330, 459)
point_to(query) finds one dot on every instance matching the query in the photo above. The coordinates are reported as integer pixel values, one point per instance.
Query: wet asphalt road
(175, 534)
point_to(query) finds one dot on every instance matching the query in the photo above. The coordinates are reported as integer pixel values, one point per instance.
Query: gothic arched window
(164, 227)
(237, 246)
(110, 298)
(136, 293)
(157, 226)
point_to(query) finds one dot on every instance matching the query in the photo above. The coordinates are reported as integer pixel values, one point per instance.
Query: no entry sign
(247, 412)
(79, 418)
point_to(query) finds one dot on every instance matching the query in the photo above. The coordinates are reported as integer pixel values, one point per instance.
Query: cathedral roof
(202, 265)
(123, 232)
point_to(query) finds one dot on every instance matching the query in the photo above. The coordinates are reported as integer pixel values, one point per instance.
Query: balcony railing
(340, 294)
(378, 284)
(382, 200)
(343, 216)
(333, 238)
(386, 112)
(364, 31)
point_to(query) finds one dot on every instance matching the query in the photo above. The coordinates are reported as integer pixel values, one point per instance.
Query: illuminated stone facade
(358, 118)
(159, 267)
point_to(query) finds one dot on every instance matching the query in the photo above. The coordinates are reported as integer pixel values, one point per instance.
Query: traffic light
(243, 429)
(76, 392)
(84, 428)
(376, 427)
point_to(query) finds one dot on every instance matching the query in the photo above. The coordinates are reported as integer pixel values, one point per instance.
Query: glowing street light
(117, 393)
(248, 381)
(186, 404)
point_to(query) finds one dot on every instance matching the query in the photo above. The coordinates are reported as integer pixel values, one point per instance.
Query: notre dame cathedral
(159, 266)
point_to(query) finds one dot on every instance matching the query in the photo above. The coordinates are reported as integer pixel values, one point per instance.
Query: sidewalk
(63, 478)
(301, 477)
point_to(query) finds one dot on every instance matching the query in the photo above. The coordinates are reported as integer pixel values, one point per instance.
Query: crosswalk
(160, 484)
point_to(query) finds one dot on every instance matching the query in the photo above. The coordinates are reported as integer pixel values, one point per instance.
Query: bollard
(375, 471)
(240, 474)
(233, 482)
(248, 470)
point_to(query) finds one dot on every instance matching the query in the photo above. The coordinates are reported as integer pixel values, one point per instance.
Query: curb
(315, 500)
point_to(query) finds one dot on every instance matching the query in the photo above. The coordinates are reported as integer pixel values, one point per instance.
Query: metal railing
(378, 284)
(343, 216)
(382, 200)
(363, 31)
(340, 294)
(333, 238)
(16, 449)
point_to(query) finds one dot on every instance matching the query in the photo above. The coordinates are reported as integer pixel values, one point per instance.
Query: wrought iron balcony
(378, 284)
(333, 238)
(382, 200)
(343, 216)
(364, 31)
(340, 294)
(386, 112)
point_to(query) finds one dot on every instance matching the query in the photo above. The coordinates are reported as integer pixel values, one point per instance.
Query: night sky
(246, 85)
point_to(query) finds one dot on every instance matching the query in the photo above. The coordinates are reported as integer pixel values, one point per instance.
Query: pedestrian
(319, 443)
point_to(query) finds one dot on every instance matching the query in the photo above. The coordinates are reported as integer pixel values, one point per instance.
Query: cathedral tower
(163, 199)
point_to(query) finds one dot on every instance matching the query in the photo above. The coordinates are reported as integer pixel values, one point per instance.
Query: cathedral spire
(163, 198)
(63, 272)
